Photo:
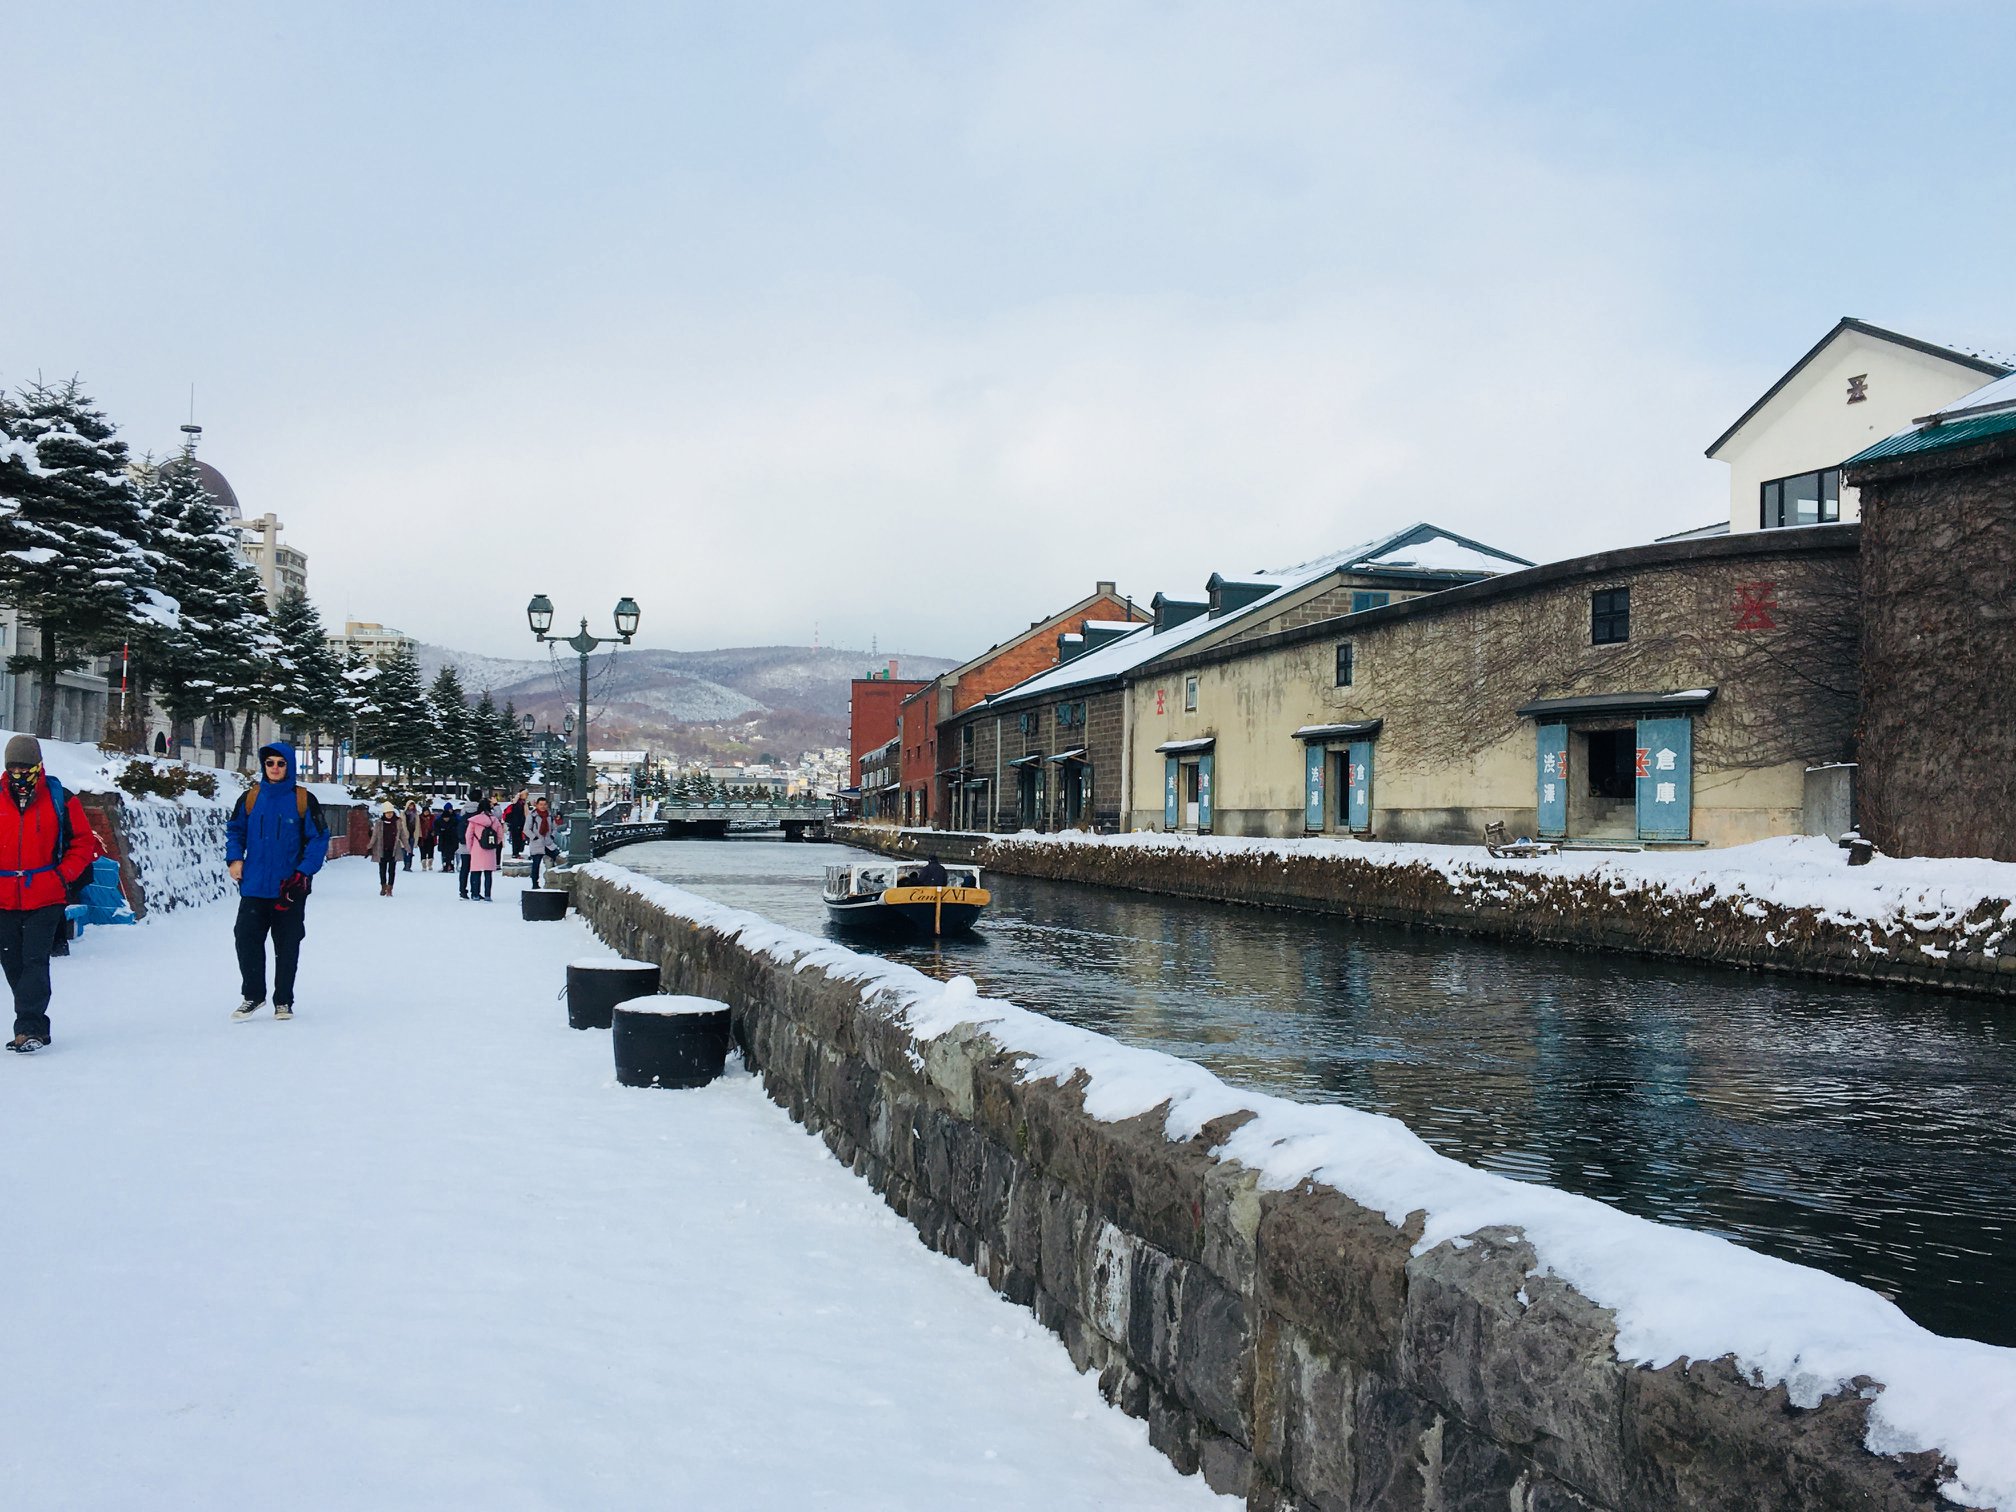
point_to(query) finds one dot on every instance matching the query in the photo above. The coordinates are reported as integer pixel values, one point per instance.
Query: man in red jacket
(46, 845)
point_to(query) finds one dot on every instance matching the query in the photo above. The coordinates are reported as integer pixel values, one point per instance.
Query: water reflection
(1872, 1134)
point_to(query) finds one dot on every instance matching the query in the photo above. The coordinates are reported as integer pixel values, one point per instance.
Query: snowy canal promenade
(416, 1249)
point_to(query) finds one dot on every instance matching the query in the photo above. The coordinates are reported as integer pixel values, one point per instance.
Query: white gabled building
(1857, 385)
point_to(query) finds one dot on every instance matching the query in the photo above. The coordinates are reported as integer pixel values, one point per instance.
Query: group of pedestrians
(470, 840)
(275, 842)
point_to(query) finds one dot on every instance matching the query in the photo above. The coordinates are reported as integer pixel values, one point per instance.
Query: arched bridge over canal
(799, 819)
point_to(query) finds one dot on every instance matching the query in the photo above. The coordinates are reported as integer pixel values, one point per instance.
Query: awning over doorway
(1361, 729)
(1076, 755)
(1688, 701)
(1024, 761)
(1186, 747)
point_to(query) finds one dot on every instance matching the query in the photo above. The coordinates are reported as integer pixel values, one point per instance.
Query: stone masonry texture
(1938, 731)
(1287, 1345)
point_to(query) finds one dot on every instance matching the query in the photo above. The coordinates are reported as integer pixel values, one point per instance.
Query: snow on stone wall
(1306, 1302)
(1790, 904)
(176, 852)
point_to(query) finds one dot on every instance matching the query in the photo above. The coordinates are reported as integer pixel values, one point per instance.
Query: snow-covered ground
(416, 1249)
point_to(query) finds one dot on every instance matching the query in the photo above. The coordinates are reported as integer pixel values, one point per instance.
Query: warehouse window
(1610, 617)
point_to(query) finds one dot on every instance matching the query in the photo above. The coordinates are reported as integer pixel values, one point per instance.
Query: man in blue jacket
(276, 841)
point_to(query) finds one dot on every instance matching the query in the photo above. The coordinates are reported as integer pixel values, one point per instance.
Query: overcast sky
(908, 321)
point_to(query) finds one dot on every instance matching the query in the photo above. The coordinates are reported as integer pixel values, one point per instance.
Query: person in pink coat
(482, 849)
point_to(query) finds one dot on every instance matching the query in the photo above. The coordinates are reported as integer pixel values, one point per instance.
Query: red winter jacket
(28, 841)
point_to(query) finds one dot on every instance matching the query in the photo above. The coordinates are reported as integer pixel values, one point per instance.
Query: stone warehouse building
(1674, 693)
(1050, 752)
(1938, 737)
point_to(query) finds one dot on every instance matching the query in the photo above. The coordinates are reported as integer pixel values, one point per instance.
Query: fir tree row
(108, 558)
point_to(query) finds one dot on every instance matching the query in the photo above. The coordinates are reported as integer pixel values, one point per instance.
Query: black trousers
(257, 918)
(537, 858)
(479, 883)
(388, 870)
(462, 874)
(27, 935)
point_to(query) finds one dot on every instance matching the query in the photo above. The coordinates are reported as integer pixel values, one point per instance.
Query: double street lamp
(539, 614)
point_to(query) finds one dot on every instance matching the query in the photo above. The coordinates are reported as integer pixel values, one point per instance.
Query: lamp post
(539, 615)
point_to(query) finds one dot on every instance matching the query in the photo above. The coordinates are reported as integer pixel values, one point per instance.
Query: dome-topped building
(279, 567)
(219, 488)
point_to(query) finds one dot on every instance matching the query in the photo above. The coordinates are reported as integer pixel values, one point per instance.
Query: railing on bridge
(605, 838)
(799, 818)
(741, 809)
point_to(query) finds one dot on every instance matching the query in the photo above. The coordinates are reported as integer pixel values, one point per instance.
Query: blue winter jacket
(275, 839)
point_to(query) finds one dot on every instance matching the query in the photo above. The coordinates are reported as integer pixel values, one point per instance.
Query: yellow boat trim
(976, 897)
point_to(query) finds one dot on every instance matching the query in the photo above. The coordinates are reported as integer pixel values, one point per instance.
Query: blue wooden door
(1551, 780)
(1665, 779)
(1358, 796)
(1312, 786)
(1204, 791)
(1170, 811)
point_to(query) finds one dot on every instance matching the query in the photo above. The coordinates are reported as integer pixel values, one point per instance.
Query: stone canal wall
(1952, 941)
(1299, 1346)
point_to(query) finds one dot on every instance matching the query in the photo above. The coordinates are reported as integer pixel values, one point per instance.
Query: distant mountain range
(747, 703)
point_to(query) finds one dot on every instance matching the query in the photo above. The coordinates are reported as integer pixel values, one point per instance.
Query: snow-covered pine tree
(71, 529)
(155, 635)
(400, 732)
(217, 662)
(518, 749)
(307, 694)
(453, 751)
(360, 698)
(486, 733)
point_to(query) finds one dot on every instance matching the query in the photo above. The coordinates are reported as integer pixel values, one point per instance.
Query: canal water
(1868, 1133)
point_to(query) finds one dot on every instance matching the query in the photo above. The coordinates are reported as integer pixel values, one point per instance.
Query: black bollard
(543, 903)
(670, 1041)
(595, 986)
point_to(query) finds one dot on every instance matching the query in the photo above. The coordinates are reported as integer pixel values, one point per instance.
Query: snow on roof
(1998, 395)
(1112, 624)
(1445, 554)
(1144, 643)
(1980, 415)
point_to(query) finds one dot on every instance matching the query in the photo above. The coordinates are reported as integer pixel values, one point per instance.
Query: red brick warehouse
(925, 777)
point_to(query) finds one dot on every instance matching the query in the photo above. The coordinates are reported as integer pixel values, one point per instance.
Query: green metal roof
(1937, 438)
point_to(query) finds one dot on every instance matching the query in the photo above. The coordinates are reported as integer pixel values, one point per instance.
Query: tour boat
(887, 894)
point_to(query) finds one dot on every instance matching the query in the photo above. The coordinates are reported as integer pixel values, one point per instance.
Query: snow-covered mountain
(748, 700)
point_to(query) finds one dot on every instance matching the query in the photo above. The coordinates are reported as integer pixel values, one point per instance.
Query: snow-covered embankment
(1306, 1299)
(1791, 904)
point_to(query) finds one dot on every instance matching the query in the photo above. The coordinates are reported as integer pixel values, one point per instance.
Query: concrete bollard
(666, 1040)
(543, 903)
(596, 985)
